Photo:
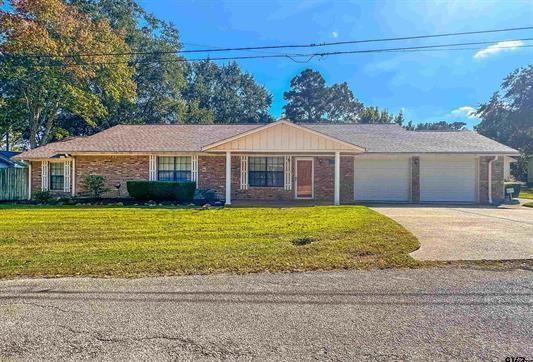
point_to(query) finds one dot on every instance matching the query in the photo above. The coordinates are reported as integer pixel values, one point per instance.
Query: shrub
(516, 186)
(162, 190)
(94, 185)
(44, 197)
(205, 196)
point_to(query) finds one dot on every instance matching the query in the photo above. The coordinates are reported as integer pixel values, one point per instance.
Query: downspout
(490, 178)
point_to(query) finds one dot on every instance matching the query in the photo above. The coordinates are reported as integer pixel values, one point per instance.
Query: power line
(309, 56)
(323, 44)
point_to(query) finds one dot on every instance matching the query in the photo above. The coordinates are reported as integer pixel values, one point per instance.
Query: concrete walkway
(467, 233)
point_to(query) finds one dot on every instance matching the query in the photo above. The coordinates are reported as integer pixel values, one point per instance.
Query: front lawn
(526, 193)
(135, 241)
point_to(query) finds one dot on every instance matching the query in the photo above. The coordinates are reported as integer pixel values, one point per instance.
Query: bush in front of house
(205, 196)
(43, 197)
(94, 186)
(516, 187)
(162, 190)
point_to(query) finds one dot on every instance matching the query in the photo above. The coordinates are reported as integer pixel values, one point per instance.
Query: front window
(174, 168)
(57, 176)
(265, 171)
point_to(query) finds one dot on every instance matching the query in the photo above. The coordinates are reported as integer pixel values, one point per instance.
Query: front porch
(295, 178)
(284, 162)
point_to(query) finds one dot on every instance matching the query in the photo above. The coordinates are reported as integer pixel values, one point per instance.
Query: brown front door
(304, 179)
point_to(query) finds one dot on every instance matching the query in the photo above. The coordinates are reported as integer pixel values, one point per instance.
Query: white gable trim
(280, 122)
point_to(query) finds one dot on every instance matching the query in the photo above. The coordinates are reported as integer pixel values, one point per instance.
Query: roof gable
(282, 136)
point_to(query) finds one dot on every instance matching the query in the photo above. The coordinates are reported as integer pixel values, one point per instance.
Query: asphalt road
(352, 315)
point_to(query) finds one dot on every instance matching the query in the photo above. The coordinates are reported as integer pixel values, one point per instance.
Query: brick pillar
(497, 180)
(415, 179)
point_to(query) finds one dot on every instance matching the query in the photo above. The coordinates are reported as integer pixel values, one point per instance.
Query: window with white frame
(57, 176)
(174, 168)
(266, 171)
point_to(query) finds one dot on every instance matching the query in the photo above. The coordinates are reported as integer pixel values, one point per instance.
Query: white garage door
(382, 180)
(448, 179)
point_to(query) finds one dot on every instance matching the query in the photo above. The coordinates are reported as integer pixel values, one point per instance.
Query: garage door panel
(382, 180)
(448, 180)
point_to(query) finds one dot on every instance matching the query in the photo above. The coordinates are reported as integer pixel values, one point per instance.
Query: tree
(342, 106)
(307, 98)
(224, 94)
(508, 116)
(440, 126)
(375, 115)
(159, 75)
(400, 119)
(42, 88)
(310, 100)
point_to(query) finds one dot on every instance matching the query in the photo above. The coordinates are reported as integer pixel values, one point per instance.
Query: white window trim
(44, 176)
(153, 171)
(152, 168)
(269, 156)
(288, 173)
(49, 179)
(244, 172)
(66, 176)
(194, 169)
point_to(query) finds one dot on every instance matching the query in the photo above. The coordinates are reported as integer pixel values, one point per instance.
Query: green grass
(529, 204)
(526, 193)
(136, 241)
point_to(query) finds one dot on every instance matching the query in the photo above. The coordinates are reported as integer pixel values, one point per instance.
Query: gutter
(490, 178)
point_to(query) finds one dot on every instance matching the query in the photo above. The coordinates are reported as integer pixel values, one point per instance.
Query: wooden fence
(13, 184)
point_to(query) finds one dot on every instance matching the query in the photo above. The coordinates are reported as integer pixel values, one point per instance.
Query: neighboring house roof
(5, 158)
(374, 138)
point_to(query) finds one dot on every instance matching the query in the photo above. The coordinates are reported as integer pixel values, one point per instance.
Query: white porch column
(29, 180)
(337, 178)
(228, 178)
(73, 177)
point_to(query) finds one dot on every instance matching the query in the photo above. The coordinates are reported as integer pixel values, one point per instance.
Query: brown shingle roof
(375, 138)
(143, 138)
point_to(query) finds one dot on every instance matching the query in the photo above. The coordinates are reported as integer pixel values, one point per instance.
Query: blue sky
(428, 86)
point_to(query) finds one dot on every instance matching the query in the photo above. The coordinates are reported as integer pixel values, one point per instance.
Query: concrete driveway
(467, 233)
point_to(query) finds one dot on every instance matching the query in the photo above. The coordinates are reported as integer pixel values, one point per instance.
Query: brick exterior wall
(347, 180)
(116, 169)
(497, 180)
(324, 178)
(35, 176)
(256, 193)
(212, 175)
(415, 179)
(36, 183)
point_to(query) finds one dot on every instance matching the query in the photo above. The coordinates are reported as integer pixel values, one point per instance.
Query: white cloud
(498, 47)
(334, 34)
(464, 111)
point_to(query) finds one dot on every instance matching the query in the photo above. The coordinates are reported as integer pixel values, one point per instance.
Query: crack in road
(46, 306)
(213, 350)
